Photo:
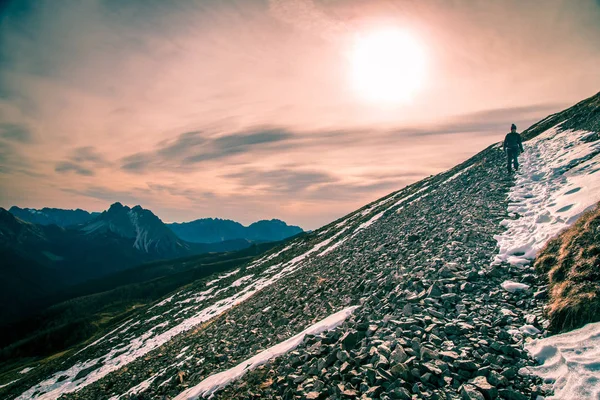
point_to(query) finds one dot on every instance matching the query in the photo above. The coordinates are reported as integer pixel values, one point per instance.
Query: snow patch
(217, 381)
(453, 177)
(559, 180)
(513, 287)
(570, 362)
(8, 384)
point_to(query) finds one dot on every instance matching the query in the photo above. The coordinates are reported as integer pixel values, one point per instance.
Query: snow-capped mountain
(427, 293)
(150, 234)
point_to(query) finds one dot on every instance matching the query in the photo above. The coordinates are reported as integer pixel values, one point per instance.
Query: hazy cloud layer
(244, 109)
(192, 148)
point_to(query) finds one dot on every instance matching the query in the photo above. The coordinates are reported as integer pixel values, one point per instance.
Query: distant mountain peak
(150, 234)
(117, 206)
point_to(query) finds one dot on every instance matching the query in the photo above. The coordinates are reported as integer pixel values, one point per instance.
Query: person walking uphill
(513, 145)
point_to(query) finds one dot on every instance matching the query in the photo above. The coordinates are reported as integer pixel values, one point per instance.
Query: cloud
(192, 194)
(132, 196)
(15, 133)
(88, 154)
(67, 166)
(281, 181)
(191, 148)
(493, 121)
(81, 161)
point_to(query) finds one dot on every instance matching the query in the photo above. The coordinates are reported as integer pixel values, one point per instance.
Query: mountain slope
(38, 261)
(56, 216)
(77, 312)
(436, 302)
(209, 230)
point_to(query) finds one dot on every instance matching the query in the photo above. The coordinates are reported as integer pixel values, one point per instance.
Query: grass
(571, 265)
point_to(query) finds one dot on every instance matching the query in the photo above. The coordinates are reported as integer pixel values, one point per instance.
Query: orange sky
(246, 110)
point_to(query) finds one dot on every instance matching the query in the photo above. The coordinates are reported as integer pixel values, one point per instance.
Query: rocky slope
(431, 309)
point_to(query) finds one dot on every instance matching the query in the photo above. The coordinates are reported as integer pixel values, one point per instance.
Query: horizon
(166, 222)
(261, 110)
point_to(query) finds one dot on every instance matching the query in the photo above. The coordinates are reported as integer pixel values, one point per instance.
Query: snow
(104, 337)
(333, 246)
(513, 287)
(404, 199)
(26, 370)
(558, 180)
(162, 303)
(530, 330)
(270, 257)
(139, 388)
(224, 276)
(8, 384)
(217, 381)
(154, 337)
(240, 281)
(370, 222)
(453, 177)
(570, 362)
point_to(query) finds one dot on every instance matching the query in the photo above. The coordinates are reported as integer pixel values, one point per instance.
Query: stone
(398, 355)
(349, 340)
(434, 291)
(469, 392)
(465, 365)
(489, 392)
(510, 394)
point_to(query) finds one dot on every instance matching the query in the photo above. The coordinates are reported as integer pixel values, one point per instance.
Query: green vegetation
(84, 310)
(571, 265)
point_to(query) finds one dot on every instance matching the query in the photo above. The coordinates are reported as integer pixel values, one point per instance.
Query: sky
(251, 110)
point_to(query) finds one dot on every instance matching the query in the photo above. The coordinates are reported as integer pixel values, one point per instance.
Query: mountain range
(69, 247)
(209, 230)
(204, 230)
(56, 216)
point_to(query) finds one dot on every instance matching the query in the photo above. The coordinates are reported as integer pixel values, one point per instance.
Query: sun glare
(387, 66)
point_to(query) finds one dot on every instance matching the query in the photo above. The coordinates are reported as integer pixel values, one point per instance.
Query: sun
(387, 66)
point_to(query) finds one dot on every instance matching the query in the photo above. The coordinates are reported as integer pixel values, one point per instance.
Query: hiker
(513, 146)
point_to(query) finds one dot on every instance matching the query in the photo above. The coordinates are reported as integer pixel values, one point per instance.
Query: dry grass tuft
(571, 265)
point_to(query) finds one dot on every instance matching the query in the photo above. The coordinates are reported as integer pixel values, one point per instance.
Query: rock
(481, 383)
(434, 291)
(342, 355)
(510, 394)
(496, 379)
(401, 371)
(469, 392)
(374, 391)
(398, 355)
(465, 365)
(400, 393)
(445, 272)
(450, 297)
(449, 356)
(349, 340)
(467, 287)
